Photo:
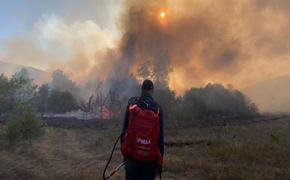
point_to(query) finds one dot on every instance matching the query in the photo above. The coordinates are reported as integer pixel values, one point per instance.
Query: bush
(210, 105)
(14, 90)
(214, 100)
(23, 123)
(61, 101)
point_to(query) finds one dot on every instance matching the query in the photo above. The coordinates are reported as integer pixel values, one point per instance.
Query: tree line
(211, 103)
(22, 102)
(63, 95)
(19, 89)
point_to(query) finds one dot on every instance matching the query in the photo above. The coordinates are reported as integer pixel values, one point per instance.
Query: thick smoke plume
(183, 48)
(197, 41)
(203, 41)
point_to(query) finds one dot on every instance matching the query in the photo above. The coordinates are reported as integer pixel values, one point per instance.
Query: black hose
(104, 172)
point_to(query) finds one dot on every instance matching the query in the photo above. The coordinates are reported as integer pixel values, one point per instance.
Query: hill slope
(39, 76)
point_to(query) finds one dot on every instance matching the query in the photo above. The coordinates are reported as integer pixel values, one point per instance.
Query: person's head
(147, 86)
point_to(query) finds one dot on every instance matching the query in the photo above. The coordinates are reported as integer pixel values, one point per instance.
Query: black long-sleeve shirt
(146, 99)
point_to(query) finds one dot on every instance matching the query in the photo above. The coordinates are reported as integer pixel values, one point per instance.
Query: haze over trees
(63, 95)
(62, 82)
(215, 100)
(20, 89)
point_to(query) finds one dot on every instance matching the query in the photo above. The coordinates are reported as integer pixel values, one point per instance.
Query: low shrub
(23, 123)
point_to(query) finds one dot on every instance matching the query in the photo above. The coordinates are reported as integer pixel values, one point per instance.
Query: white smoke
(55, 43)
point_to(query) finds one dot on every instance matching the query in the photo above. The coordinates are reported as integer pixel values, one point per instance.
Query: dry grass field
(252, 151)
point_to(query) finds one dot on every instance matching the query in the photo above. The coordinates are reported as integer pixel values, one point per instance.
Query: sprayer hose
(110, 158)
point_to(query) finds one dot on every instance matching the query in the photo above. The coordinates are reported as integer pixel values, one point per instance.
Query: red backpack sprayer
(140, 139)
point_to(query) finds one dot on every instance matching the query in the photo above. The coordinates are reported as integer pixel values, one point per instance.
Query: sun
(162, 14)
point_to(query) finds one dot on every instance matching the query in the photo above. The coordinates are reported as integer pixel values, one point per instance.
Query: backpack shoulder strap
(133, 103)
(133, 100)
(158, 111)
(131, 107)
(157, 107)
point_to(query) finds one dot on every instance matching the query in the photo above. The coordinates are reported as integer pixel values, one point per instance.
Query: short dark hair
(147, 85)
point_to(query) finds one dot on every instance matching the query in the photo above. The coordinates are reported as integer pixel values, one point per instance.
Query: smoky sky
(238, 42)
(234, 42)
(224, 41)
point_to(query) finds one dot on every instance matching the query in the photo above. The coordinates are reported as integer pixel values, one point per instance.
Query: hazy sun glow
(162, 14)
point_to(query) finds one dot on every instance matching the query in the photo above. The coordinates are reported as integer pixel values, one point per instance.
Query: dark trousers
(139, 170)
